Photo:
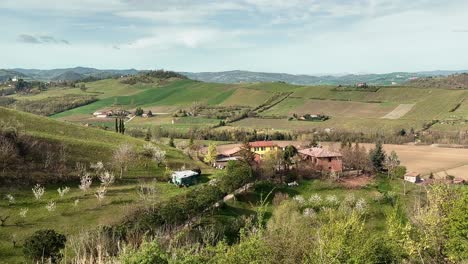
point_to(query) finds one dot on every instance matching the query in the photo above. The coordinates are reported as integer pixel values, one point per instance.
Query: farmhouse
(413, 177)
(322, 159)
(262, 147)
(184, 178)
(102, 114)
(224, 157)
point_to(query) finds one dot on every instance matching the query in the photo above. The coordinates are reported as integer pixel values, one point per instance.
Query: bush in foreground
(44, 245)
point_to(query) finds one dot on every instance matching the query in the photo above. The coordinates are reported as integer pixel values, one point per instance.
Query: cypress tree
(377, 156)
(116, 126)
(123, 127)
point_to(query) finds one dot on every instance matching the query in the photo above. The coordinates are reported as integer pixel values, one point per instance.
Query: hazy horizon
(310, 37)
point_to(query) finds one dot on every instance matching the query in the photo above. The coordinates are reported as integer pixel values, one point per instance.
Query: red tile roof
(262, 144)
(319, 153)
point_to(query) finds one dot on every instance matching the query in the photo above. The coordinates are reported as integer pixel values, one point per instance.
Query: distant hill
(455, 81)
(69, 76)
(349, 79)
(237, 76)
(72, 74)
(7, 74)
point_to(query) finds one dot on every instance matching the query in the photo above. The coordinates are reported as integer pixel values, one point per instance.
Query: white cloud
(173, 37)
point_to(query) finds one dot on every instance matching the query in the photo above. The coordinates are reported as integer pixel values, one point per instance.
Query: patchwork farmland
(383, 108)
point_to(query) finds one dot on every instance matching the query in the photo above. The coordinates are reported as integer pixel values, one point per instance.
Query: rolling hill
(72, 74)
(454, 81)
(83, 144)
(346, 79)
(236, 76)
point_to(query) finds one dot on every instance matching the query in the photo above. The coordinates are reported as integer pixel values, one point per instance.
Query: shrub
(148, 253)
(45, 244)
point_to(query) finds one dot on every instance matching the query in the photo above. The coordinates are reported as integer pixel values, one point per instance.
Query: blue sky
(293, 36)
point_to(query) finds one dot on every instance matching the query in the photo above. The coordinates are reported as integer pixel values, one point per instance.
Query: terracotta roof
(412, 174)
(319, 153)
(262, 144)
(230, 152)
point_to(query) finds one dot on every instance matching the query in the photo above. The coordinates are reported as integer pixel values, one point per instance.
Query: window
(329, 159)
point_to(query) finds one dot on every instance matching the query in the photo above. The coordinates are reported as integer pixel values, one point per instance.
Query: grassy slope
(83, 143)
(86, 145)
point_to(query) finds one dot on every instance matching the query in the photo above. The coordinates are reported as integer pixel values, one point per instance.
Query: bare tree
(62, 160)
(3, 220)
(391, 162)
(8, 152)
(123, 157)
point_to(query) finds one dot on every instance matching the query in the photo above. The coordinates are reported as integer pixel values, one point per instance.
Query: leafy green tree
(377, 157)
(236, 175)
(139, 111)
(245, 153)
(45, 244)
(457, 246)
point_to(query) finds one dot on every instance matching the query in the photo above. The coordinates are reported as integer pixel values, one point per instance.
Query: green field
(349, 109)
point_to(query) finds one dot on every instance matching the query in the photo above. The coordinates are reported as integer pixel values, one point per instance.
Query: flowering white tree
(38, 191)
(85, 182)
(63, 191)
(106, 178)
(123, 157)
(51, 206)
(11, 199)
(101, 193)
(23, 212)
(98, 166)
(155, 153)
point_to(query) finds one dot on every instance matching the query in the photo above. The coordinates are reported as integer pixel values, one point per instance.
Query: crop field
(247, 97)
(331, 108)
(180, 123)
(399, 111)
(365, 125)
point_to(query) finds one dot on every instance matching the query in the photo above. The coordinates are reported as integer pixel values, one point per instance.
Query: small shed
(413, 177)
(185, 177)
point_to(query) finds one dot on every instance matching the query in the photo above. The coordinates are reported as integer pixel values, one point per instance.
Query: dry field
(427, 159)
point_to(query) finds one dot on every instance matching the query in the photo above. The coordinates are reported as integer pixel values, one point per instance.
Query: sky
(291, 36)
